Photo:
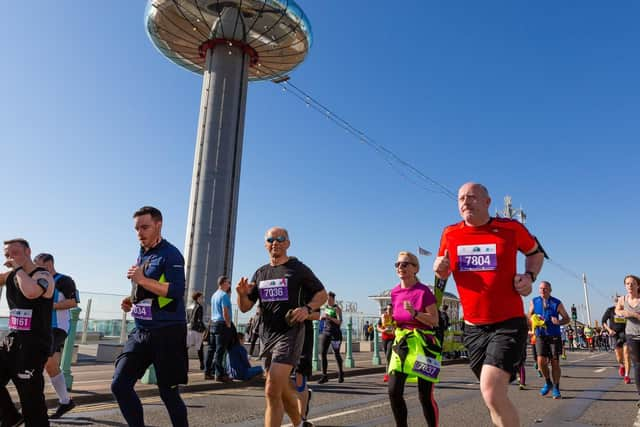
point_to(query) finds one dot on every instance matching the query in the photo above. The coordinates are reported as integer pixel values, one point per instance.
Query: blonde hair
(412, 258)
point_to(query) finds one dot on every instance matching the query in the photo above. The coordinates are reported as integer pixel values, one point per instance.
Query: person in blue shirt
(549, 337)
(160, 334)
(238, 360)
(220, 332)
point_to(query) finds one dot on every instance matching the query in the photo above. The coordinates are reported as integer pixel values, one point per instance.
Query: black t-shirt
(37, 329)
(617, 323)
(66, 286)
(280, 289)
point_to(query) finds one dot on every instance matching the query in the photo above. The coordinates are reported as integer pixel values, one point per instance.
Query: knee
(492, 396)
(168, 393)
(120, 385)
(272, 392)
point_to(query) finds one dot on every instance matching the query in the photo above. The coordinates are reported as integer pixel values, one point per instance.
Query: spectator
(238, 360)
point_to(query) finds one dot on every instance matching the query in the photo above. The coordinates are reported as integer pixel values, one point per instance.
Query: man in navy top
(219, 332)
(160, 335)
(549, 337)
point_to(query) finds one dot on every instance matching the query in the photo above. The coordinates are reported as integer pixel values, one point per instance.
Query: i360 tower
(230, 43)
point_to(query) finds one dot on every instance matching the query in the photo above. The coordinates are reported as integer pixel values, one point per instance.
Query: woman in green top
(331, 336)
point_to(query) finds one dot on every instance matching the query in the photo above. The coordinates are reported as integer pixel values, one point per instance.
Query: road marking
(349, 412)
(600, 370)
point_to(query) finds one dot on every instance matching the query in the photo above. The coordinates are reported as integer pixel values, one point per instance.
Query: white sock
(60, 385)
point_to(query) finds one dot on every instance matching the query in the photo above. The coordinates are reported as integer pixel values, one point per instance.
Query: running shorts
(285, 348)
(549, 346)
(498, 344)
(58, 336)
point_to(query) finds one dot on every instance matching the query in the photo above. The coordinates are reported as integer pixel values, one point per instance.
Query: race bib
(427, 366)
(142, 310)
(274, 290)
(617, 319)
(20, 319)
(477, 257)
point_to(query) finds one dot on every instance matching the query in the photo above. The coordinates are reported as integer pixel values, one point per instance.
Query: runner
(481, 252)
(548, 337)
(386, 327)
(279, 286)
(24, 351)
(628, 306)
(160, 335)
(64, 299)
(615, 325)
(331, 336)
(416, 350)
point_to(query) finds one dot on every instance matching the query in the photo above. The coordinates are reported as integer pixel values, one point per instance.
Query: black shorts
(499, 344)
(620, 338)
(304, 365)
(549, 346)
(58, 336)
(284, 348)
(165, 348)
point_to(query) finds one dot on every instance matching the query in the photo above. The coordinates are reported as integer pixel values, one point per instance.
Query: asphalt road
(593, 395)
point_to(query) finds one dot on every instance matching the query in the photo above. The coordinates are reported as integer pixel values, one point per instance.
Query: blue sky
(537, 100)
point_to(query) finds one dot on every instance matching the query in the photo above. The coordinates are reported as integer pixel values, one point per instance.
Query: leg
(129, 367)
(221, 345)
(396, 398)
(494, 384)
(428, 402)
(211, 350)
(8, 412)
(170, 395)
(336, 351)
(634, 351)
(30, 387)
(201, 356)
(279, 396)
(627, 359)
(325, 342)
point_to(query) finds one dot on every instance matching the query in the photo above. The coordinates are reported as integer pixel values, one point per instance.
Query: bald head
(473, 203)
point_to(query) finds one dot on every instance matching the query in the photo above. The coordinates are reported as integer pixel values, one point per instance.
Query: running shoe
(63, 408)
(323, 379)
(385, 379)
(539, 374)
(341, 377)
(545, 389)
(521, 386)
(563, 357)
(306, 423)
(556, 392)
(627, 380)
(621, 370)
(306, 409)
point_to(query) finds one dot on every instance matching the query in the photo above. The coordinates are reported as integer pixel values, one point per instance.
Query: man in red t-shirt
(481, 252)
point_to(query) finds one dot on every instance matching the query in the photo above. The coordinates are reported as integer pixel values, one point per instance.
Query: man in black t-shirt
(279, 286)
(25, 350)
(64, 299)
(615, 325)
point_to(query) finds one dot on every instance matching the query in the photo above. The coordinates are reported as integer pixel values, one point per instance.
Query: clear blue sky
(538, 100)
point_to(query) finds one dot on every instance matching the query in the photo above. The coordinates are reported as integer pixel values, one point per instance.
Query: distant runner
(616, 325)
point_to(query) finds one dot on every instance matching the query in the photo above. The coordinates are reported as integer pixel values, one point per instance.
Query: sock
(549, 382)
(60, 385)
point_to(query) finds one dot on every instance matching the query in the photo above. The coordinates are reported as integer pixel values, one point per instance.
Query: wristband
(532, 275)
(309, 309)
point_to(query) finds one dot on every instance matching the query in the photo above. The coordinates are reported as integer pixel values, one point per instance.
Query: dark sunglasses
(280, 239)
(403, 264)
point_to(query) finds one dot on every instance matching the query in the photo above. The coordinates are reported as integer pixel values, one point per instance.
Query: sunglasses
(403, 264)
(280, 239)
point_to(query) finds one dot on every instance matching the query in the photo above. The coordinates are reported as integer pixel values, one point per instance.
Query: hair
(155, 213)
(44, 257)
(332, 294)
(222, 279)
(20, 240)
(548, 283)
(412, 258)
(635, 279)
(284, 230)
(196, 295)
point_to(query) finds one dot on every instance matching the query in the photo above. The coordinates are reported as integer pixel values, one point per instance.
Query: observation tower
(230, 43)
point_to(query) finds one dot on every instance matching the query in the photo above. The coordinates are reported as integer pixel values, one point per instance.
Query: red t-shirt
(483, 263)
(420, 296)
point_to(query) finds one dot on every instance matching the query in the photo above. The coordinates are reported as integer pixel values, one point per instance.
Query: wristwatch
(532, 275)
(309, 309)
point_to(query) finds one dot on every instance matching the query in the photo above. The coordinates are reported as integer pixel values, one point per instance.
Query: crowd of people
(479, 251)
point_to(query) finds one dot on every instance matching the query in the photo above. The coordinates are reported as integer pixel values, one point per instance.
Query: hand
(300, 314)
(126, 304)
(522, 284)
(136, 274)
(555, 320)
(243, 288)
(409, 307)
(441, 265)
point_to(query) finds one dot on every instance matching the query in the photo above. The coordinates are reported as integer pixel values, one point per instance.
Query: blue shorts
(165, 348)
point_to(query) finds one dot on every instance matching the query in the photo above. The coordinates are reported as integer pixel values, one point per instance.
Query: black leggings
(399, 406)
(325, 343)
(633, 342)
(386, 346)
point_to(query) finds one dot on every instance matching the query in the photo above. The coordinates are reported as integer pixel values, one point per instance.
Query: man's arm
(565, 317)
(242, 290)
(3, 277)
(65, 305)
(530, 313)
(227, 316)
(41, 284)
(300, 314)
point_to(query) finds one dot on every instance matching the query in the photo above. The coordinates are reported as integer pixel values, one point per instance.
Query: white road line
(349, 412)
(600, 370)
